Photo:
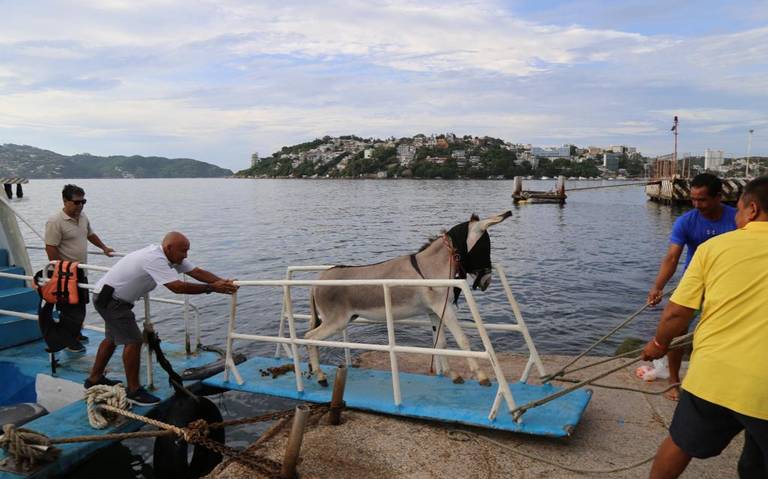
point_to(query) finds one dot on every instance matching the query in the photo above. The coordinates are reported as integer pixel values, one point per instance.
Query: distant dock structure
(670, 182)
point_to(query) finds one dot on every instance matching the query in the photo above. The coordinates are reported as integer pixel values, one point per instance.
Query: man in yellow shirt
(726, 388)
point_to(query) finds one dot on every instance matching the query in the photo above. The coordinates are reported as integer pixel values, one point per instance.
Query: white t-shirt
(140, 272)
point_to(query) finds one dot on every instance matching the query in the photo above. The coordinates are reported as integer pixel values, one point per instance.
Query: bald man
(132, 277)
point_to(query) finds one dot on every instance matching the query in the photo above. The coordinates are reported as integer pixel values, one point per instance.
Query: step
(8, 283)
(15, 331)
(19, 299)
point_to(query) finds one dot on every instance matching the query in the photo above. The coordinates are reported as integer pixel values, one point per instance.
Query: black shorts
(703, 429)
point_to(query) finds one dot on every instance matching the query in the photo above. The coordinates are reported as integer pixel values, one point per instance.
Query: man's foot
(83, 339)
(673, 394)
(103, 381)
(141, 397)
(78, 348)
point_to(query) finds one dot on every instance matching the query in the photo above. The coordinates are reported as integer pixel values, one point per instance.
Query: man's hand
(654, 350)
(654, 296)
(224, 286)
(108, 251)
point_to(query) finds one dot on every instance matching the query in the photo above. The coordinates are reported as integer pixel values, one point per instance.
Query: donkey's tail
(314, 319)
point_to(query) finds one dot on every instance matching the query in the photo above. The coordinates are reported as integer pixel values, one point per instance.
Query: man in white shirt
(132, 277)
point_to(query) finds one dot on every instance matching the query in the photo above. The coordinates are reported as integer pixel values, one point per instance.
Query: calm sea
(576, 270)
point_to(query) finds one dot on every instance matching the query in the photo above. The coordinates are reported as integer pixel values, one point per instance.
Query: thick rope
(99, 396)
(26, 447)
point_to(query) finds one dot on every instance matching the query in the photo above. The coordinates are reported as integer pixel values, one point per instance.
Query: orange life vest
(61, 287)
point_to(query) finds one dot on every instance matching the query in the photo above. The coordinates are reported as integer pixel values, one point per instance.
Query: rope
(678, 342)
(622, 388)
(456, 435)
(624, 323)
(100, 398)
(26, 447)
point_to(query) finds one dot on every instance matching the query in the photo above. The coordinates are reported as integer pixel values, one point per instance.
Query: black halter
(475, 261)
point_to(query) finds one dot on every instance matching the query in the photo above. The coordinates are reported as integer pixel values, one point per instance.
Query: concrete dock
(619, 428)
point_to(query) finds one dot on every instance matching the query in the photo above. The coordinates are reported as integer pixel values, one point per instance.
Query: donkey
(464, 249)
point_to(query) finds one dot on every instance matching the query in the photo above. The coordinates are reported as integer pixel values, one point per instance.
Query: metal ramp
(424, 397)
(407, 394)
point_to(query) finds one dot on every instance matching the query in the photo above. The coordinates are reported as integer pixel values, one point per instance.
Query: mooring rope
(98, 397)
(463, 436)
(620, 326)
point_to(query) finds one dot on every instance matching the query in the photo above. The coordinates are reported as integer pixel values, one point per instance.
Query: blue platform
(424, 397)
(30, 359)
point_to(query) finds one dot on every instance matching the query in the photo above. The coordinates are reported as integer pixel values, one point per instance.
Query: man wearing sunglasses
(67, 233)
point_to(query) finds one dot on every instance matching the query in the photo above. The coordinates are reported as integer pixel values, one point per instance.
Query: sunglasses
(79, 202)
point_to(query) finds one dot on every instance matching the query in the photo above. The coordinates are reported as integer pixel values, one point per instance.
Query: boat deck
(72, 420)
(424, 397)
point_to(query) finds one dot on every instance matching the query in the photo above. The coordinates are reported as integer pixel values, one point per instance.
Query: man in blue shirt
(709, 218)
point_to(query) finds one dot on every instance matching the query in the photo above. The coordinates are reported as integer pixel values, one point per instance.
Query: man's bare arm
(666, 271)
(674, 322)
(52, 252)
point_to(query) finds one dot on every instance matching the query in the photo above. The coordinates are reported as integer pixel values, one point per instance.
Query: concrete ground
(619, 428)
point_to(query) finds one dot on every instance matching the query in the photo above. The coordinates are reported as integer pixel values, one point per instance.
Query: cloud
(234, 76)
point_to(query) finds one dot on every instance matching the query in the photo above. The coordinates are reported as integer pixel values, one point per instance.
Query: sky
(220, 80)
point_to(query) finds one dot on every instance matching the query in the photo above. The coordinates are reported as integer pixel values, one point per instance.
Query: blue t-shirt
(692, 229)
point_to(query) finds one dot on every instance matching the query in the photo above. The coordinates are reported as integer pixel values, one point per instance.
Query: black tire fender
(170, 456)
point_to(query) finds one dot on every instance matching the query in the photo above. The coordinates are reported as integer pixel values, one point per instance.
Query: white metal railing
(147, 315)
(292, 342)
(100, 253)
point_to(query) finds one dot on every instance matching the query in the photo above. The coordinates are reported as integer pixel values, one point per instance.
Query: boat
(556, 195)
(44, 391)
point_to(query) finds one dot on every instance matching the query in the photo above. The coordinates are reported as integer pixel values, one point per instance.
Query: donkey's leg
(451, 322)
(440, 343)
(321, 332)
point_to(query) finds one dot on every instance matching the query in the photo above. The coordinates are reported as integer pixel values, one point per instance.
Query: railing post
(148, 323)
(229, 363)
(533, 352)
(187, 345)
(503, 385)
(391, 342)
(292, 332)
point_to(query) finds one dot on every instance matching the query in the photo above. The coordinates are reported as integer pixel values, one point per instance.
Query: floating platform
(557, 195)
(425, 397)
(30, 359)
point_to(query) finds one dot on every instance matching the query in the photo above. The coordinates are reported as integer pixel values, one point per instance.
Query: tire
(170, 456)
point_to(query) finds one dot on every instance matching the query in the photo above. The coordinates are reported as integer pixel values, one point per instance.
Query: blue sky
(218, 80)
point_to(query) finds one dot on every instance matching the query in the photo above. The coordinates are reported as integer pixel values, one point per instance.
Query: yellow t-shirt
(728, 280)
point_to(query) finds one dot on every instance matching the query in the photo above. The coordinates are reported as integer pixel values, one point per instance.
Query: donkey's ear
(488, 222)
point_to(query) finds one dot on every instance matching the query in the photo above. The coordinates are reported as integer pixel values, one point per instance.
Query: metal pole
(187, 343)
(292, 333)
(293, 447)
(337, 399)
(230, 329)
(148, 323)
(749, 151)
(391, 343)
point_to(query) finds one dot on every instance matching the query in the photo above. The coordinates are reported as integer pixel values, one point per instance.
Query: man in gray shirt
(67, 233)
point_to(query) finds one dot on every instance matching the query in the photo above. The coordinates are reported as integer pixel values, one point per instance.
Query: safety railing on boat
(147, 315)
(292, 342)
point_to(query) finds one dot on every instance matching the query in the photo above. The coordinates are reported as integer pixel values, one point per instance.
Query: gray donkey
(464, 249)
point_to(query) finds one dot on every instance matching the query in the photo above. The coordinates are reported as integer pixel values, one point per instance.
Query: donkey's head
(473, 247)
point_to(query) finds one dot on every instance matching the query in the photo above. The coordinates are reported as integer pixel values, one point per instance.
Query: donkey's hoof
(485, 382)
(323, 383)
(458, 380)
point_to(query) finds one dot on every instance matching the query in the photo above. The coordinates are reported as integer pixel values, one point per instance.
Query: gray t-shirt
(140, 272)
(69, 235)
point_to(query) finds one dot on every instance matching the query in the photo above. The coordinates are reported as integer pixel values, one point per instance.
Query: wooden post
(517, 186)
(293, 448)
(337, 399)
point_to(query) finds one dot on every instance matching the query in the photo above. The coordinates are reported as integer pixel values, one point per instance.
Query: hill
(30, 162)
